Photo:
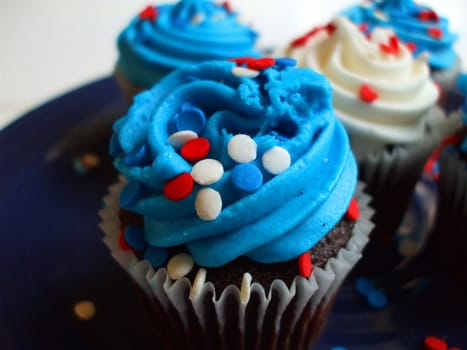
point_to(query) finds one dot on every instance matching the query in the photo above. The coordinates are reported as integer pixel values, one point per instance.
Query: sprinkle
(428, 15)
(121, 240)
(284, 62)
(197, 19)
(246, 177)
(434, 343)
(207, 171)
(380, 15)
(155, 255)
(84, 310)
(241, 61)
(179, 187)
(363, 27)
(392, 47)
(130, 194)
(245, 289)
(208, 204)
(134, 237)
(135, 158)
(338, 348)
(149, 13)
(191, 118)
(242, 148)
(367, 94)
(276, 160)
(227, 6)
(241, 72)
(305, 264)
(179, 138)
(372, 295)
(434, 32)
(261, 63)
(196, 149)
(301, 41)
(198, 283)
(353, 211)
(180, 265)
(411, 46)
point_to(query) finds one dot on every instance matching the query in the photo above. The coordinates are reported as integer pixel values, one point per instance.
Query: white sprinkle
(196, 19)
(276, 160)
(208, 204)
(198, 283)
(245, 289)
(381, 15)
(207, 171)
(179, 138)
(240, 72)
(84, 310)
(380, 36)
(242, 148)
(179, 265)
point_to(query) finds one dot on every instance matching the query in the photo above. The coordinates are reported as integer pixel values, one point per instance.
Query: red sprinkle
(179, 187)
(195, 149)
(411, 46)
(240, 61)
(392, 47)
(301, 41)
(227, 6)
(451, 140)
(428, 15)
(353, 211)
(435, 343)
(367, 94)
(149, 13)
(363, 27)
(261, 63)
(435, 32)
(305, 264)
(121, 240)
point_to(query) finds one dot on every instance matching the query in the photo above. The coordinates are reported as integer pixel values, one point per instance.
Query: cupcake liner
(194, 317)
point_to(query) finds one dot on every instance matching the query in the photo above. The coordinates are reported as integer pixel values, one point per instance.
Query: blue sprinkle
(155, 255)
(377, 299)
(137, 157)
(187, 106)
(338, 348)
(363, 286)
(134, 236)
(190, 119)
(130, 194)
(285, 62)
(246, 177)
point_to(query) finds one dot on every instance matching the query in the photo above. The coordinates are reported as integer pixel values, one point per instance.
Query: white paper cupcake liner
(282, 317)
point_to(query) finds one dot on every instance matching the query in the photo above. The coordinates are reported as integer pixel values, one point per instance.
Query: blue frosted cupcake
(166, 37)
(239, 210)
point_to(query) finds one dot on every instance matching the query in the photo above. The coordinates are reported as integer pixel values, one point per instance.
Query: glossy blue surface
(52, 255)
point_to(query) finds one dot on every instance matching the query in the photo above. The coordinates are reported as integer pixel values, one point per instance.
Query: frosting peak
(271, 164)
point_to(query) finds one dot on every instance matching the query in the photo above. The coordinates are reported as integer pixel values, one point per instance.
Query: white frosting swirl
(350, 60)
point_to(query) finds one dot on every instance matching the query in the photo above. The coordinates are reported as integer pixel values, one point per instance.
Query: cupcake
(421, 28)
(165, 37)
(387, 103)
(239, 210)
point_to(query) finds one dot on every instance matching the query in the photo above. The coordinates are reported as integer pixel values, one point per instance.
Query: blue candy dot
(285, 62)
(134, 237)
(363, 286)
(246, 177)
(157, 256)
(130, 195)
(190, 119)
(137, 157)
(377, 299)
(338, 348)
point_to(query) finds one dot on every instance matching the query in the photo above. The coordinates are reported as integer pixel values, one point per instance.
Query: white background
(51, 46)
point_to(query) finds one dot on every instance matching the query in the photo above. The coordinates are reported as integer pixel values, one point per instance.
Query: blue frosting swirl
(283, 106)
(188, 32)
(403, 17)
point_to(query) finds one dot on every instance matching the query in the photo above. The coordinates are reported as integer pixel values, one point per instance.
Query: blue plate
(52, 256)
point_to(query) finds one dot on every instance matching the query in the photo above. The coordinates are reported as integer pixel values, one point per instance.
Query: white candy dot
(179, 138)
(381, 15)
(244, 72)
(207, 171)
(380, 36)
(242, 148)
(208, 204)
(180, 265)
(276, 160)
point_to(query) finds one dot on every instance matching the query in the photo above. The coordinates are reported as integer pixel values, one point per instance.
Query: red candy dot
(149, 13)
(367, 94)
(353, 211)
(305, 264)
(392, 47)
(178, 188)
(412, 47)
(435, 343)
(227, 6)
(261, 63)
(363, 27)
(121, 240)
(240, 61)
(428, 15)
(195, 149)
(435, 32)
(301, 41)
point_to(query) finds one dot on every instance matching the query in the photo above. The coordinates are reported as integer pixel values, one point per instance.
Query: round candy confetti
(134, 237)
(377, 299)
(207, 171)
(284, 62)
(434, 343)
(156, 256)
(179, 187)
(195, 150)
(276, 160)
(179, 138)
(246, 177)
(191, 118)
(368, 94)
(130, 194)
(208, 204)
(84, 310)
(353, 211)
(135, 158)
(180, 265)
(121, 240)
(305, 264)
(242, 148)
(241, 72)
